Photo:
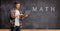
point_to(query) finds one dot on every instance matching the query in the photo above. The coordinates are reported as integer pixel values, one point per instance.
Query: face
(17, 6)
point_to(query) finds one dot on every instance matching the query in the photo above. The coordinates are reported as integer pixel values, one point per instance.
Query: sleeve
(9, 16)
(12, 14)
(11, 19)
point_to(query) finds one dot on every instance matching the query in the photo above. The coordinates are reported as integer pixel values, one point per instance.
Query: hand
(26, 15)
(21, 17)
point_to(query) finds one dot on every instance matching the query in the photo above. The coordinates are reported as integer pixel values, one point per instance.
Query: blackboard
(42, 13)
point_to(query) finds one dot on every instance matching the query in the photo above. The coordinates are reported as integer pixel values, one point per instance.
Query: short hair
(17, 2)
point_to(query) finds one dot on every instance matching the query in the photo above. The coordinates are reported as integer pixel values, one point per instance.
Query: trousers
(16, 28)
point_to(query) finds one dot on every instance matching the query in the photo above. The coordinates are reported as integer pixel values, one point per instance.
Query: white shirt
(17, 18)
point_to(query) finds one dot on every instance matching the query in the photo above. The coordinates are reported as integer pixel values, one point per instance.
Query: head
(17, 5)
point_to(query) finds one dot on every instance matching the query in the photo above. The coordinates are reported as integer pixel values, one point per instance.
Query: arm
(21, 17)
(26, 15)
(13, 14)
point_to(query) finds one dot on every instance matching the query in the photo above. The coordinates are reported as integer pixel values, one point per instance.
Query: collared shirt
(16, 20)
